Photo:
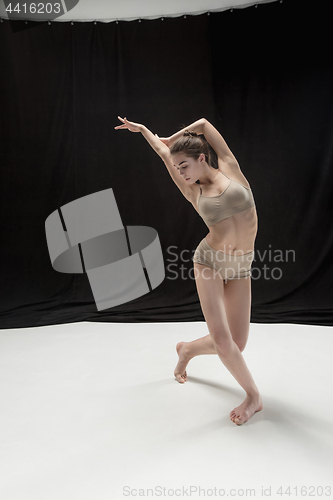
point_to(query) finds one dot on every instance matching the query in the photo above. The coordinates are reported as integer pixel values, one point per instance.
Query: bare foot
(244, 412)
(180, 372)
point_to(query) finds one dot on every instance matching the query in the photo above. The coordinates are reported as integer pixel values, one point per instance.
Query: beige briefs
(229, 266)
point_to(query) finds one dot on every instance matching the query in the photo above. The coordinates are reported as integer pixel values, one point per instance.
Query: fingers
(125, 124)
(121, 127)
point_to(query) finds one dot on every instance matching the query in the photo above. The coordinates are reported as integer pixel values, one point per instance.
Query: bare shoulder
(231, 167)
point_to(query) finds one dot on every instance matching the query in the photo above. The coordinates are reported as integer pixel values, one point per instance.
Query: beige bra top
(235, 198)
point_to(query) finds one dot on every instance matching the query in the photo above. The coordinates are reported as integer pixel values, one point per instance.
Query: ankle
(253, 394)
(184, 350)
(188, 353)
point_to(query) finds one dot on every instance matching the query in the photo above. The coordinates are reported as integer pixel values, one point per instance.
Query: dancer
(222, 261)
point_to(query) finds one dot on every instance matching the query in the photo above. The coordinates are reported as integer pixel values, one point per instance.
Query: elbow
(203, 122)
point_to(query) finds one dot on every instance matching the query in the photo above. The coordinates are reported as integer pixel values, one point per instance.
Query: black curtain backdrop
(262, 76)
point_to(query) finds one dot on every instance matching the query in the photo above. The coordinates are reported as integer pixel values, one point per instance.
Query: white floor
(92, 411)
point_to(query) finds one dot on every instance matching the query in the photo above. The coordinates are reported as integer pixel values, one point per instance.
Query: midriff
(235, 234)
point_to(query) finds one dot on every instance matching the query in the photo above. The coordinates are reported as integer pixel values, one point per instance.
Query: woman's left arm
(197, 127)
(213, 137)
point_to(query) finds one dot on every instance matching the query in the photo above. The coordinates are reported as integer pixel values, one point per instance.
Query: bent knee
(240, 338)
(224, 345)
(240, 346)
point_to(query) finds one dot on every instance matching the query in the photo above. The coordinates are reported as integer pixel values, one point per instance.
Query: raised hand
(155, 142)
(131, 126)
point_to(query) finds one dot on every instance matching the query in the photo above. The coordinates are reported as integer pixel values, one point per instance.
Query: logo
(122, 263)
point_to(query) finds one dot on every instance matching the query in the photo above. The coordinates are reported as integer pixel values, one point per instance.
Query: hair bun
(189, 133)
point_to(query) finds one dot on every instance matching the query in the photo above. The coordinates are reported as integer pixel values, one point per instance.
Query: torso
(238, 232)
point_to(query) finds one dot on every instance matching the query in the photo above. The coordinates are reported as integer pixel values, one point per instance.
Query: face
(189, 168)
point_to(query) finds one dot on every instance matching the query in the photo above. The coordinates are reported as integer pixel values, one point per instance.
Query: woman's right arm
(161, 149)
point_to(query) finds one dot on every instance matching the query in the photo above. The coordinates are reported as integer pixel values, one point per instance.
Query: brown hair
(192, 145)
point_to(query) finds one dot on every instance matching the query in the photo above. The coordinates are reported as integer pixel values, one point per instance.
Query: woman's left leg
(237, 301)
(211, 290)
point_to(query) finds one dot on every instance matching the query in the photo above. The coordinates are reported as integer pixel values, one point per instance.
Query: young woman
(222, 261)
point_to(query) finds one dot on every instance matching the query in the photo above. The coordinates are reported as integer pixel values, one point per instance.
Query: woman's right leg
(188, 350)
(238, 325)
(204, 345)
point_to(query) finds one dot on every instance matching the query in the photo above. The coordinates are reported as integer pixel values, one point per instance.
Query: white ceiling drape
(129, 10)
